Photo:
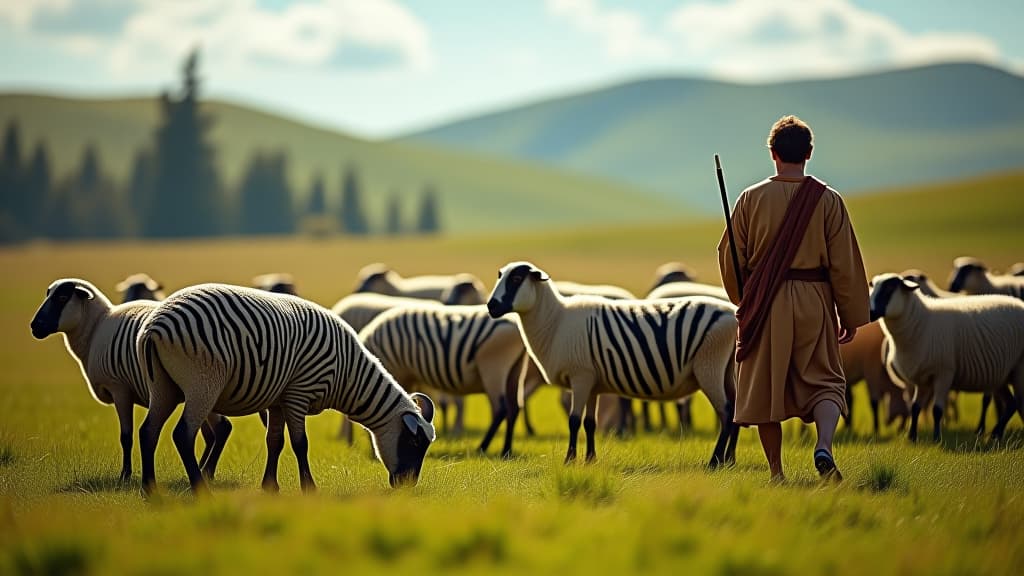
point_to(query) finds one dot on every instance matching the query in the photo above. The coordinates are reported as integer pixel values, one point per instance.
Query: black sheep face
(61, 310)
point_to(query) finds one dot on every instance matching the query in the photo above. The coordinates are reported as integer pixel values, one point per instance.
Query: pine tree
(187, 193)
(393, 224)
(353, 215)
(95, 210)
(140, 188)
(38, 186)
(264, 198)
(428, 221)
(317, 203)
(12, 226)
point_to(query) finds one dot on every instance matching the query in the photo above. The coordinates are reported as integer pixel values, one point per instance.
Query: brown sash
(764, 282)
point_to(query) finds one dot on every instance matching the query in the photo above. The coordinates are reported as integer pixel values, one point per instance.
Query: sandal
(826, 466)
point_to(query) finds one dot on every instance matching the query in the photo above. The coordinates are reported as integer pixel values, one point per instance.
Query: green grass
(476, 193)
(646, 505)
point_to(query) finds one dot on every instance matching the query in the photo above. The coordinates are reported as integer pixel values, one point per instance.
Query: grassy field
(646, 505)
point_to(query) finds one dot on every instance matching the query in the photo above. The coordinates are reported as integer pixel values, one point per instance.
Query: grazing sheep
(101, 337)
(361, 308)
(863, 360)
(458, 350)
(237, 351)
(970, 276)
(566, 288)
(684, 289)
(673, 272)
(380, 279)
(278, 283)
(974, 344)
(655, 350)
(929, 288)
(140, 287)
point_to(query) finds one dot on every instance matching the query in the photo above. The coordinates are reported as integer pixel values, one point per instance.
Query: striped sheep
(970, 276)
(101, 337)
(973, 344)
(237, 350)
(276, 282)
(458, 350)
(359, 309)
(654, 350)
(140, 287)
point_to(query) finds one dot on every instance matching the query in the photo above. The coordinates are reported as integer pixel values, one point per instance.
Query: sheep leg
(581, 386)
(915, 411)
(162, 402)
(197, 409)
(1004, 396)
(986, 399)
(718, 456)
(664, 416)
(275, 445)
(209, 439)
(645, 412)
(497, 415)
(221, 427)
(625, 416)
(590, 426)
(874, 415)
(296, 420)
(940, 391)
(459, 425)
(684, 409)
(512, 387)
(530, 431)
(345, 432)
(849, 407)
(443, 403)
(125, 418)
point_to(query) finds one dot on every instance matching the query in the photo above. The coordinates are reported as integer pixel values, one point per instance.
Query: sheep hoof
(506, 454)
(591, 457)
(124, 476)
(570, 458)
(271, 486)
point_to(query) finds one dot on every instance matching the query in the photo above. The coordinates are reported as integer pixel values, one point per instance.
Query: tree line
(175, 191)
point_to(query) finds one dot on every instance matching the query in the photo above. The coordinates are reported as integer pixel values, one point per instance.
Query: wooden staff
(728, 226)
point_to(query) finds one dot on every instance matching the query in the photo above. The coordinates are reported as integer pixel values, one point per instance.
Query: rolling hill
(477, 193)
(886, 129)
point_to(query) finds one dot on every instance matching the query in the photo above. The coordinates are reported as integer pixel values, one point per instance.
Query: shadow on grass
(112, 483)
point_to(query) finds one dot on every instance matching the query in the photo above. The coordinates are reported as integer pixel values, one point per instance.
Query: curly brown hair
(791, 139)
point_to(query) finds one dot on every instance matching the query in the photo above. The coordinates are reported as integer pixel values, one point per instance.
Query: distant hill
(886, 129)
(477, 193)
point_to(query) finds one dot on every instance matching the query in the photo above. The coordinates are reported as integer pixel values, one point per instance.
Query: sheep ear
(416, 423)
(425, 404)
(84, 292)
(540, 275)
(910, 284)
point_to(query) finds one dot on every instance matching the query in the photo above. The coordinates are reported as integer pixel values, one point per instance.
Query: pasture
(646, 505)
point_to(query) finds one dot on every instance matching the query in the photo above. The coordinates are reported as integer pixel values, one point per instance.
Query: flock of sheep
(227, 351)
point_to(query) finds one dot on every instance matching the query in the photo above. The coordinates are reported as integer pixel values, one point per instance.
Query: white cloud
(766, 38)
(625, 34)
(20, 13)
(153, 35)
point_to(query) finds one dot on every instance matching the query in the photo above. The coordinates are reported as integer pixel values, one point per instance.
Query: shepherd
(799, 281)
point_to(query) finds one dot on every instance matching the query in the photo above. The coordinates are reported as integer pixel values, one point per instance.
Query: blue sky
(381, 67)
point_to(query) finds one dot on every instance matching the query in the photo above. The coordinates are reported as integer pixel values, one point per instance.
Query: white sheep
(973, 344)
(237, 351)
(970, 276)
(276, 282)
(673, 272)
(101, 338)
(380, 279)
(647, 349)
(458, 350)
(140, 287)
(567, 288)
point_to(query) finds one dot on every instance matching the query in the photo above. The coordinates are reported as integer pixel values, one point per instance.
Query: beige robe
(796, 362)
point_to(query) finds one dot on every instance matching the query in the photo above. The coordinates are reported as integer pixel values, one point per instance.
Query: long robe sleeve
(725, 263)
(846, 269)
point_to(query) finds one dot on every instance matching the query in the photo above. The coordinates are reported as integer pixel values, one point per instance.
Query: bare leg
(771, 442)
(826, 418)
